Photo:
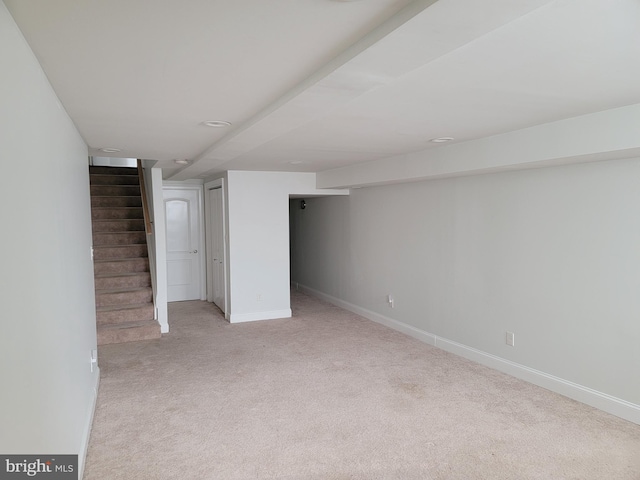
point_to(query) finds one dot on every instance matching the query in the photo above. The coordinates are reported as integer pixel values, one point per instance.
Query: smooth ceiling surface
(311, 85)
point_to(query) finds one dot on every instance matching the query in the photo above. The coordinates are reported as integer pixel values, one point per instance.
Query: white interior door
(184, 252)
(217, 247)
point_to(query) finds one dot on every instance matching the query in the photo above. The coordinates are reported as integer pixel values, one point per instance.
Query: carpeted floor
(328, 395)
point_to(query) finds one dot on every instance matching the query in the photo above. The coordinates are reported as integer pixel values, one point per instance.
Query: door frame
(173, 185)
(215, 184)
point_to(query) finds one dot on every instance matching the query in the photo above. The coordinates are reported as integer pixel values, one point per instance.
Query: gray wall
(46, 281)
(551, 254)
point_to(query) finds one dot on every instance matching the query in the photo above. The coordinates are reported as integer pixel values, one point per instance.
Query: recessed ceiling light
(181, 162)
(296, 162)
(441, 139)
(110, 150)
(216, 123)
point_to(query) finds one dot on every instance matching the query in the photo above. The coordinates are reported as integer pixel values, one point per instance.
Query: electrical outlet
(390, 301)
(511, 339)
(259, 297)
(94, 360)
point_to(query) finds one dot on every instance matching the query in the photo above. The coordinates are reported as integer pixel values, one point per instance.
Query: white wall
(48, 323)
(258, 229)
(551, 254)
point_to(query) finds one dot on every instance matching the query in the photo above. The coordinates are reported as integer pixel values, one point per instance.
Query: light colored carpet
(328, 395)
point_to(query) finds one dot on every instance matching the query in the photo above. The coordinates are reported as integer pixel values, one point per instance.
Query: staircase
(124, 298)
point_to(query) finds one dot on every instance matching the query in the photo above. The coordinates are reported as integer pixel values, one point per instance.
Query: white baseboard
(376, 317)
(162, 314)
(91, 410)
(608, 403)
(252, 317)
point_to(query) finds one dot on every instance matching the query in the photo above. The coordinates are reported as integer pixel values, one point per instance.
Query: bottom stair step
(128, 332)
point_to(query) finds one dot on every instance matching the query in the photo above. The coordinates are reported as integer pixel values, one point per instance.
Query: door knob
(195, 251)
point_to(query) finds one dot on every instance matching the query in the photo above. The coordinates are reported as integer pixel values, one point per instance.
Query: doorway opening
(217, 292)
